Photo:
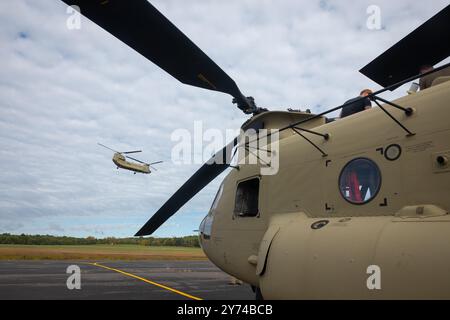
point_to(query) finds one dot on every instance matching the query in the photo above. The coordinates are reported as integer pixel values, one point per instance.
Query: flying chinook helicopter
(120, 160)
(338, 207)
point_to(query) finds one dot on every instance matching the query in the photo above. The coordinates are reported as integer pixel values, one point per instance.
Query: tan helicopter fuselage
(308, 242)
(121, 162)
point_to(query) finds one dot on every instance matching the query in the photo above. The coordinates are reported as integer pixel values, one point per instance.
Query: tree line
(26, 239)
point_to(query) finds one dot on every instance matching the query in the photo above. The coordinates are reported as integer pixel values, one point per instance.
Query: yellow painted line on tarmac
(147, 281)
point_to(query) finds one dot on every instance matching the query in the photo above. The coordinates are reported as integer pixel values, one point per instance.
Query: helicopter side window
(246, 202)
(360, 181)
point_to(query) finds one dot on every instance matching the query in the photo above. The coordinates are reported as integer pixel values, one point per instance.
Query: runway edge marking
(147, 281)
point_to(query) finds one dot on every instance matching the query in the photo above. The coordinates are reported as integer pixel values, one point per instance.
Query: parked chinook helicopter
(338, 206)
(120, 160)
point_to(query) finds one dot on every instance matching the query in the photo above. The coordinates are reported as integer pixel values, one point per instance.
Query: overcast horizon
(62, 91)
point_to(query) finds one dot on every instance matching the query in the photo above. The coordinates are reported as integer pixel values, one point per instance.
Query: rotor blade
(135, 159)
(403, 60)
(155, 163)
(151, 165)
(128, 152)
(141, 26)
(208, 172)
(107, 147)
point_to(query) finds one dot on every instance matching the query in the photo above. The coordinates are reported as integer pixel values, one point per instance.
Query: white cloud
(63, 91)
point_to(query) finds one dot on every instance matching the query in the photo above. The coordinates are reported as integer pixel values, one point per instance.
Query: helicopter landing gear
(258, 294)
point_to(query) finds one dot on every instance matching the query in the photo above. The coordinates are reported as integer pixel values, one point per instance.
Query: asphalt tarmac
(143, 280)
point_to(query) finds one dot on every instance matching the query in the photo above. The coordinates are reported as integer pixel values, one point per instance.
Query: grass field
(98, 252)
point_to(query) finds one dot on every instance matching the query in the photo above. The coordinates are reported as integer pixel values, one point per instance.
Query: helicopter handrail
(394, 119)
(297, 131)
(373, 96)
(391, 88)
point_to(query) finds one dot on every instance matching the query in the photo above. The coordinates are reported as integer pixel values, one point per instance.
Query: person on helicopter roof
(427, 81)
(357, 104)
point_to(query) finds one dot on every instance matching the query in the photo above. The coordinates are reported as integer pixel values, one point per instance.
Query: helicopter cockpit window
(247, 194)
(206, 226)
(216, 199)
(360, 181)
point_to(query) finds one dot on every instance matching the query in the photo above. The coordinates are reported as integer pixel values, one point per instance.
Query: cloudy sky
(62, 91)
